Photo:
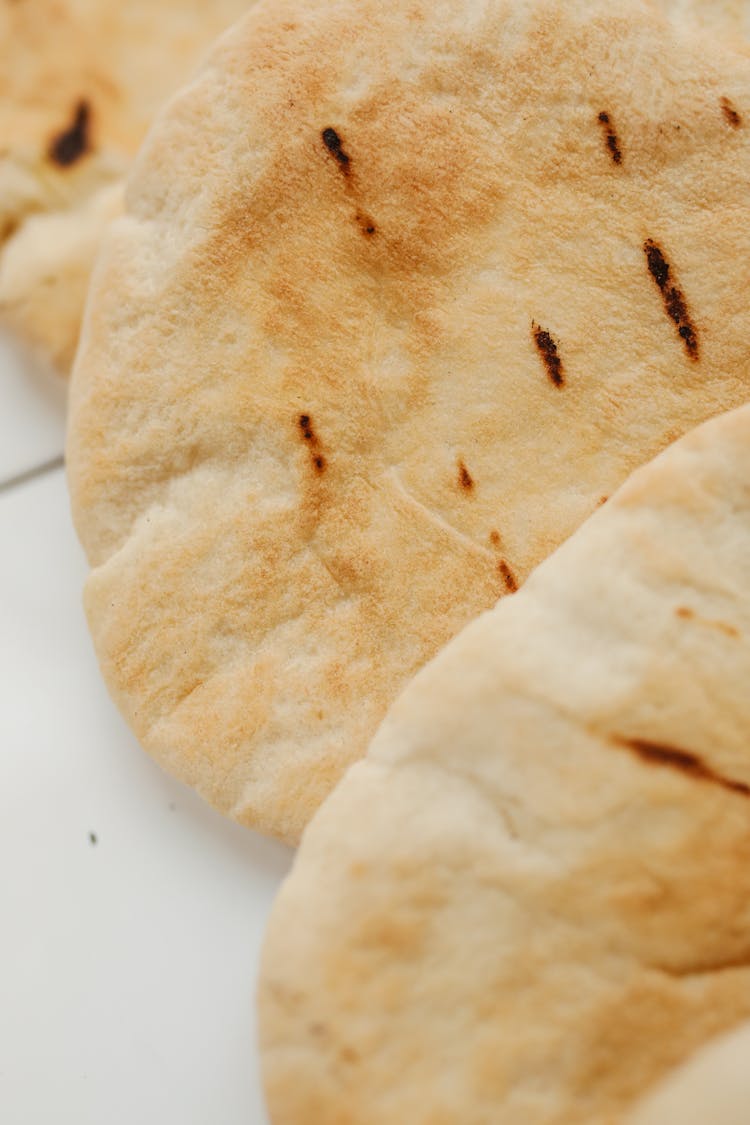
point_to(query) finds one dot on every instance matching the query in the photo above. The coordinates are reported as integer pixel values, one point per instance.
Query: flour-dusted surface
(403, 294)
(728, 20)
(532, 898)
(80, 81)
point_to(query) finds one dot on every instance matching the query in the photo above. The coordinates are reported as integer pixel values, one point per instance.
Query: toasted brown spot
(509, 579)
(495, 538)
(304, 422)
(365, 224)
(731, 115)
(688, 614)
(673, 757)
(8, 229)
(349, 1055)
(547, 349)
(465, 479)
(673, 297)
(602, 500)
(610, 137)
(69, 146)
(334, 144)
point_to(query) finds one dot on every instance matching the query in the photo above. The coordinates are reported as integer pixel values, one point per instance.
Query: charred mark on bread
(547, 349)
(67, 147)
(509, 579)
(610, 137)
(334, 144)
(365, 224)
(731, 115)
(465, 479)
(673, 757)
(675, 305)
(510, 582)
(304, 422)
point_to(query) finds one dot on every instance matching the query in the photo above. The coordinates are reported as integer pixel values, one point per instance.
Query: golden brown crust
(385, 321)
(530, 900)
(80, 81)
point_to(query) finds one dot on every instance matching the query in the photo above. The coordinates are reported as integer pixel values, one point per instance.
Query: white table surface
(32, 405)
(131, 914)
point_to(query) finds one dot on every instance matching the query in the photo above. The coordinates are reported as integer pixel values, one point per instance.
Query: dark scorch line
(304, 422)
(610, 137)
(547, 349)
(675, 304)
(660, 754)
(334, 144)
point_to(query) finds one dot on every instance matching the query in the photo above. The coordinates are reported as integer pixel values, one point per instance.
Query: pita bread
(80, 81)
(532, 898)
(403, 294)
(712, 1087)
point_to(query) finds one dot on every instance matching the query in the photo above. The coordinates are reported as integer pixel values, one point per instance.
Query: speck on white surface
(131, 914)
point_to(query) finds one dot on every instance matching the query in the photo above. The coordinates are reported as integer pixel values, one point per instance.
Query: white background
(128, 964)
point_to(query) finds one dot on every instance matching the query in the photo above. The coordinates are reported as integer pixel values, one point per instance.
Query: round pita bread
(714, 1086)
(532, 898)
(80, 81)
(403, 294)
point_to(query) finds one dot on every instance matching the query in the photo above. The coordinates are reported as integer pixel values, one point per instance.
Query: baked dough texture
(403, 293)
(728, 20)
(80, 81)
(532, 898)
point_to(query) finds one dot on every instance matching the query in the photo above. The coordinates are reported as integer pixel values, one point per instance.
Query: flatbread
(713, 1086)
(80, 81)
(532, 898)
(404, 292)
